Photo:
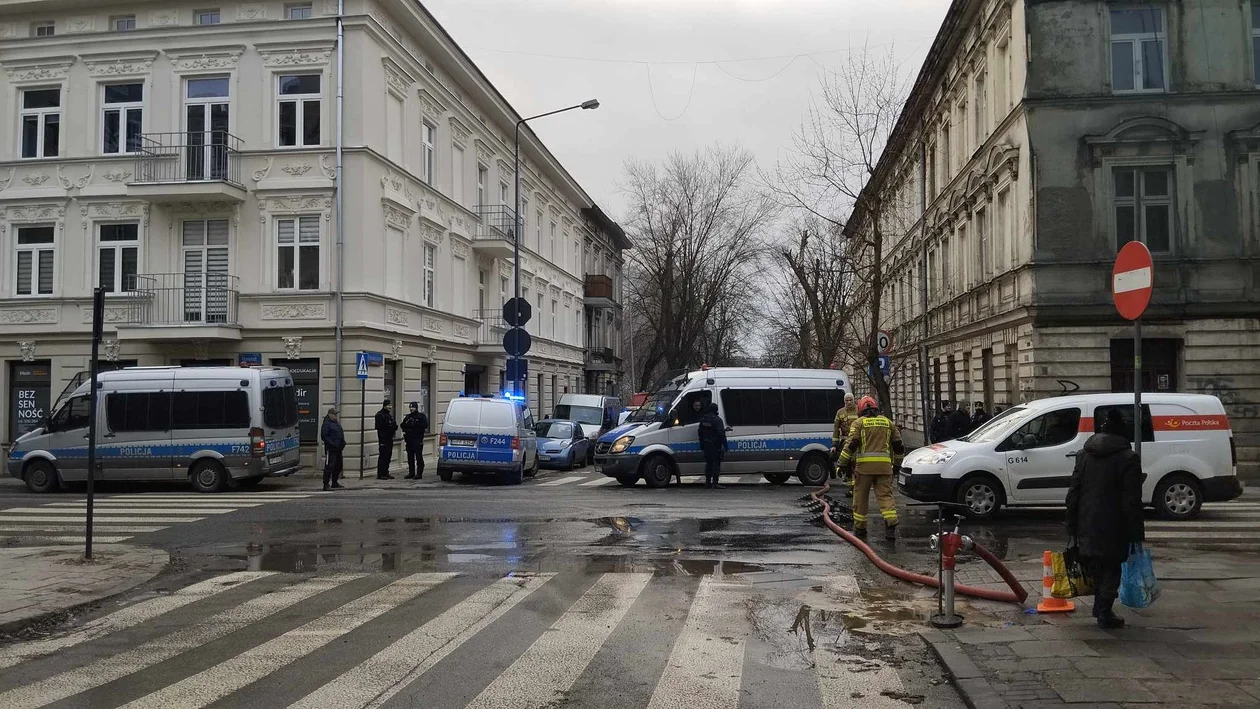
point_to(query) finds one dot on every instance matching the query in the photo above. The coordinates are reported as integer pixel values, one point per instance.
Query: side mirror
(728, 428)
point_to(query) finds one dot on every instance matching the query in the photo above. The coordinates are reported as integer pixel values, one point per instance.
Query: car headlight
(936, 457)
(621, 444)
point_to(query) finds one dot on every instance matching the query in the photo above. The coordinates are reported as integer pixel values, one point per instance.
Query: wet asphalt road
(561, 592)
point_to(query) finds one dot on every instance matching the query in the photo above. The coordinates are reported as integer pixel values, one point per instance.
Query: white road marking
(707, 663)
(79, 528)
(133, 510)
(219, 681)
(17, 653)
(842, 677)
(110, 668)
(561, 481)
(145, 504)
(599, 482)
(751, 479)
(70, 539)
(379, 678)
(1194, 527)
(1230, 506)
(1200, 535)
(557, 658)
(79, 518)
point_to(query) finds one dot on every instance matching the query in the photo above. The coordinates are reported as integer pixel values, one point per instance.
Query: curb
(15, 627)
(966, 677)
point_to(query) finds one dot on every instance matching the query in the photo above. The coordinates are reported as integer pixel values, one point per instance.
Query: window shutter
(284, 232)
(308, 230)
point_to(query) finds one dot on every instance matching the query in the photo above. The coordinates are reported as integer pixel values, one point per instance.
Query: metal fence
(492, 328)
(192, 156)
(183, 299)
(497, 222)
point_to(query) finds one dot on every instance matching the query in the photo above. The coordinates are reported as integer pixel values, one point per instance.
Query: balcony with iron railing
(192, 166)
(177, 306)
(495, 233)
(492, 328)
(602, 359)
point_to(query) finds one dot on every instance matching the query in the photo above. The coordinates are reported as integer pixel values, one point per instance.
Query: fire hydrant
(949, 544)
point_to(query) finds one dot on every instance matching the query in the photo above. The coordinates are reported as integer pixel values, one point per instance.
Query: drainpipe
(924, 388)
(340, 199)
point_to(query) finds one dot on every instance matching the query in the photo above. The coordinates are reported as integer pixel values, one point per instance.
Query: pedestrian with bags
(414, 427)
(386, 428)
(334, 440)
(1104, 510)
(712, 433)
(871, 454)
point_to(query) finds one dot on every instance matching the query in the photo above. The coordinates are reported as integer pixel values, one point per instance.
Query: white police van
(486, 435)
(217, 427)
(1026, 454)
(779, 424)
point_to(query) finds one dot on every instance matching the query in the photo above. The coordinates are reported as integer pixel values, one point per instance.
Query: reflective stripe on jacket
(843, 425)
(874, 445)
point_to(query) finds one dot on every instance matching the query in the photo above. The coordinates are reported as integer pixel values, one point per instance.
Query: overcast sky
(672, 75)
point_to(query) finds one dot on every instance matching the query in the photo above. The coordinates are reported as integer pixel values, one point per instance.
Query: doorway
(1160, 357)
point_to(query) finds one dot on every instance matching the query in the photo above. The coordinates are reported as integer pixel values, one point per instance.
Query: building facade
(605, 245)
(1039, 137)
(185, 158)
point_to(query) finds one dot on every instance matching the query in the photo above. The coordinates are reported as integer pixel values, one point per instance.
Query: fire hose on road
(1017, 594)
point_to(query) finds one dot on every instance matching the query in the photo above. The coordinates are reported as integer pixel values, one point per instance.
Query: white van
(597, 414)
(1026, 454)
(217, 427)
(779, 424)
(485, 435)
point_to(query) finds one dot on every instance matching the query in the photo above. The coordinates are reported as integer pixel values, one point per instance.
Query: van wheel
(533, 469)
(1178, 496)
(778, 478)
(813, 470)
(514, 477)
(657, 471)
(628, 480)
(208, 476)
(982, 495)
(41, 477)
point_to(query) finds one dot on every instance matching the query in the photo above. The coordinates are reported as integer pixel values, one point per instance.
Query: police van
(779, 424)
(217, 427)
(487, 435)
(1025, 455)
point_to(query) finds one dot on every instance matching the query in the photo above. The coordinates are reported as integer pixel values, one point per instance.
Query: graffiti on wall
(1236, 405)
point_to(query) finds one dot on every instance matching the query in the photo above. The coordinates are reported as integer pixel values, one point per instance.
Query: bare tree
(697, 222)
(811, 307)
(836, 152)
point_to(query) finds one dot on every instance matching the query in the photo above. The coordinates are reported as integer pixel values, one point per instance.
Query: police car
(488, 436)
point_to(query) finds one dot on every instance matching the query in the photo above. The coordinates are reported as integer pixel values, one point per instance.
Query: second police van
(779, 424)
(1025, 455)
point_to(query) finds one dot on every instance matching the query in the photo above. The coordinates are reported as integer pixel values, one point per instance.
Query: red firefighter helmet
(867, 403)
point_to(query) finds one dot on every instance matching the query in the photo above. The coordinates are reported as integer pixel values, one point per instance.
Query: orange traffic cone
(1050, 604)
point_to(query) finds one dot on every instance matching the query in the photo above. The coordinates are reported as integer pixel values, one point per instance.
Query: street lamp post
(517, 384)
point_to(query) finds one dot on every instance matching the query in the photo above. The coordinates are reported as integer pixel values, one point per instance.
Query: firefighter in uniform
(840, 433)
(872, 452)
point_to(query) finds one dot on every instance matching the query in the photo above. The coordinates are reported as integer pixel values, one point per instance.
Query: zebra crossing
(581, 479)
(523, 641)
(116, 518)
(1220, 524)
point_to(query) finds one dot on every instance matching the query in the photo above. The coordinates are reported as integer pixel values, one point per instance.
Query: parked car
(1026, 454)
(484, 435)
(561, 444)
(596, 413)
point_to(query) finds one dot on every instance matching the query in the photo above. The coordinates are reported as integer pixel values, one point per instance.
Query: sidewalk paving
(1197, 646)
(39, 582)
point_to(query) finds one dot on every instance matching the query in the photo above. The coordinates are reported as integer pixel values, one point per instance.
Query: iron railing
(173, 299)
(191, 156)
(497, 222)
(492, 328)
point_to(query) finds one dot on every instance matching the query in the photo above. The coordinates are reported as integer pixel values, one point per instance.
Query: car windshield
(996, 428)
(654, 408)
(554, 429)
(581, 414)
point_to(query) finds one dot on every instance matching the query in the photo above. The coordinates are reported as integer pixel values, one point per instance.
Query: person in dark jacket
(386, 427)
(940, 423)
(1104, 510)
(959, 421)
(980, 417)
(712, 433)
(334, 440)
(414, 426)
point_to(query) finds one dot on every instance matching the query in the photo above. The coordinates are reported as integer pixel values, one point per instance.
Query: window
(298, 110)
(297, 253)
(118, 257)
(216, 409)
(141, 411)
(41, 123)
(1255, 40)
(430, 257)
(122, 118)
(206, 17)
(813, 406)
(982, 245)
(1101, 413)
(752, 407)
(1053, 429)
(72, 416)
(481, 186)
(34, 262)
(981, 107)
(1137, 50)
(551, 243)
(520, 219)
(280, 405)
(503, 289)
(122, 23)
(504, 193)
(538, 219)
(457, 174)
(577, 257)
(46, 28)
(686, 412)
(297, 11)
(553, 318)
(427, 135)
(1001, 230)
(1143, 199)
(947, 158)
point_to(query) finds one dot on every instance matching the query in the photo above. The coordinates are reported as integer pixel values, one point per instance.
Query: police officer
(840, 433)
(414, 425)
(712, 434)
(941, 423)
(872, 452)
(386, 427)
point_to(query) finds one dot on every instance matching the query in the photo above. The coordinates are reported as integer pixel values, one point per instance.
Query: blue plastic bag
(1138, 586)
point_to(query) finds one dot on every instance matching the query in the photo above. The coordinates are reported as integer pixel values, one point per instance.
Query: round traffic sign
(1132, 279)
(517, 312)
(884, 342)
(516, 342)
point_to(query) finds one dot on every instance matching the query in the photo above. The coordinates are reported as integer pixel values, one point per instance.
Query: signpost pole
(1137, 386)
(98, 315)
(362, 427)
(1132, 281)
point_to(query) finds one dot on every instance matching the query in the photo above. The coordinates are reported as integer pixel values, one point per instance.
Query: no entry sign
(1131, 280)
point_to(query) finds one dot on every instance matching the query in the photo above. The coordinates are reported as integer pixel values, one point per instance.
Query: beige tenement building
(185, 157)
(1040, 137)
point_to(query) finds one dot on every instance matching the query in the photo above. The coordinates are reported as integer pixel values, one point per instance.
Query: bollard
(1050, 604)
